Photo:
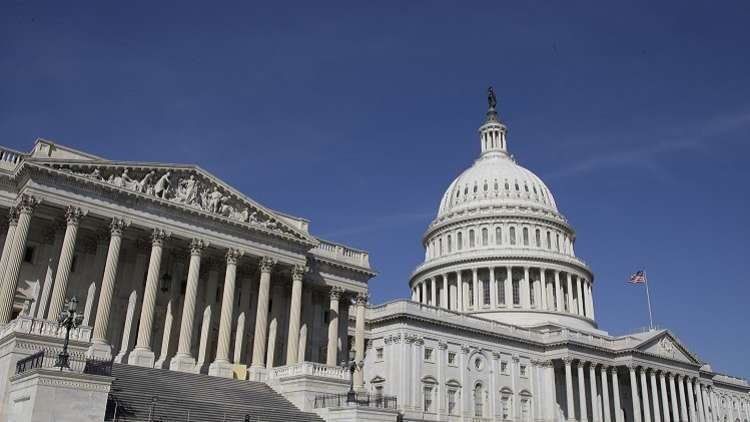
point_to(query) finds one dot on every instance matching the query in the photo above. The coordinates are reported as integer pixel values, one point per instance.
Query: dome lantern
(493, 133)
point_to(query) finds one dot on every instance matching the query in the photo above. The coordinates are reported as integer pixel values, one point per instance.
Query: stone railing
(43, 327)
(9, 158)
(311, 369)
(342, 253)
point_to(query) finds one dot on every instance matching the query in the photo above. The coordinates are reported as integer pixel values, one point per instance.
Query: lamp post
(68, 319)
(352, 365)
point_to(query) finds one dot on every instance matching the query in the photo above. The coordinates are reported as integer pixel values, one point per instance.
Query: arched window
(478, 401)
(450, 246)
(512, 235)
(440, 243)
(516, 292)
(459, 241)
(557, 242)
(549, 240)
(498, 236)
(526, 236)
(471, 238)
(485, 236)
(538, 238)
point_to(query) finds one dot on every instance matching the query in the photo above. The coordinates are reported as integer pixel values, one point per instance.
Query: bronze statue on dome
(491, 99)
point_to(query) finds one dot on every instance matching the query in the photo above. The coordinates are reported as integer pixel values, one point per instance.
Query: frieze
(181, 186)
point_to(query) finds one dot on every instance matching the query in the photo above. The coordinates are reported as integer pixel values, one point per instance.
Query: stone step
(202, 397)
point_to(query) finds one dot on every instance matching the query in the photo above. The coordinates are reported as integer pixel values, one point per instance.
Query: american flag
(638, 278)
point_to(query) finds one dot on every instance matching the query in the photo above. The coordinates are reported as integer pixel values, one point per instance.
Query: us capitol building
(183, 280)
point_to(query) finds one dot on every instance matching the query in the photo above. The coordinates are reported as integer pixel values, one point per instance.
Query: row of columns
(142, 354)
(554, 294)
(655, 395)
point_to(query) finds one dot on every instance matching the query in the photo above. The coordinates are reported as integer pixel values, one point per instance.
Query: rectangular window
(516, 293)
(512, 235)
(504, 367)
(451, 358)
(470, 287)
(505, 407)
(498, 236)
(486, 292)
(379, 353)
(459, 241)
(378, 391)
(501, 292)
(531, 293)
(538, 238)
(451, 402)
(428, 399)
(522, 371)
(471, 238)
(485, 237)
(428, 354)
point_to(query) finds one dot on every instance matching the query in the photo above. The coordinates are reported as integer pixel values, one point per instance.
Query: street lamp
(352, 365)
(68, 319)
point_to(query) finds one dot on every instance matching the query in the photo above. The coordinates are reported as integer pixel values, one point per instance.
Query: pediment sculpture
(185, 187)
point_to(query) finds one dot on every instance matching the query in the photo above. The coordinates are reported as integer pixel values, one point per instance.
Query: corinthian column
(681, 389)
(73, 216)
(25, 207)
(644, 395)
(691, 399)
(183, 361)
(8, 245)
(616, 394)
(570, 406)
(582, 392)
(634, 394)
(605, 394)
(261, 317)
(333, 326)
(100, 347)
(673, 397)
(295, 310)
(142, 355)
(664, 397)
(655, 397)
(13, 217)
(221, 367)
(359, 342)
(595, 414)
(701, 408)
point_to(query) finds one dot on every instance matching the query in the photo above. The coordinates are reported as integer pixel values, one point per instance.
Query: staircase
(145, 394)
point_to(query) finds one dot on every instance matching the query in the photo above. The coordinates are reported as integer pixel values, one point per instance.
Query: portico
(175, 267)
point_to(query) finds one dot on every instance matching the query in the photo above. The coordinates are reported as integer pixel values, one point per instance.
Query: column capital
(73, 215)
(197, 246)
(233, 255)
(442, 345)
(27, 203)
(612, 369)
(117, 225)
(298, 272)
(13, 216)
(158, 236)
(362, 298)
(336, 292)
(267, 264)
(567, 360)
(605, 367)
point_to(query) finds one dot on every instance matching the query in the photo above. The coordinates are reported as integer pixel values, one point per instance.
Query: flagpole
(648, 299)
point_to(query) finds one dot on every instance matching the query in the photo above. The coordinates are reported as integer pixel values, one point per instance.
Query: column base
(201, 368)
(182, 363)
(101, 351)
(257, 373)
(141, 357)
(221, 368)
(121, 357)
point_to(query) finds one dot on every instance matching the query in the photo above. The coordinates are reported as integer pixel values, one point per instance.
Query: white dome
(495, 179)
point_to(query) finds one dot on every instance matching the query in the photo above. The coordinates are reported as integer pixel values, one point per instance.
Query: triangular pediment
(186, 186)
(667, 346)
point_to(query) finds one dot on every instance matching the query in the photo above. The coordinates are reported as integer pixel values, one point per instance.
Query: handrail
(79, 364)
(354, 399)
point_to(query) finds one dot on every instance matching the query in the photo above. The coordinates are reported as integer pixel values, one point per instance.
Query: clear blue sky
(359, 116)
